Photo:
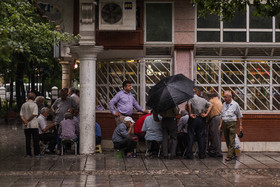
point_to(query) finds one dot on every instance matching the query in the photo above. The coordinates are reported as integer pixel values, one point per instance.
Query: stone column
(66, 73)
(87, 56)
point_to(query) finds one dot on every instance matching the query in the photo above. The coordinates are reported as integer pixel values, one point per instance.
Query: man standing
(74, 96)
(122, 137)
(125, 103)
(61, 106)
(230, 114)
(214, 120)
(198, 111)
(44, 132)
(28, 115)
(169, 127)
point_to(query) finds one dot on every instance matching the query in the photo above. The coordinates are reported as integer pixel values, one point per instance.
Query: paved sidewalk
(250, 169)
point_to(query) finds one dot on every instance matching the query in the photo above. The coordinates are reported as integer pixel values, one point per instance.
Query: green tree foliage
(27, 40)
(226, 9)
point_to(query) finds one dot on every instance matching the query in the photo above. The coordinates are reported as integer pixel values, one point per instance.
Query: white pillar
(87, 55)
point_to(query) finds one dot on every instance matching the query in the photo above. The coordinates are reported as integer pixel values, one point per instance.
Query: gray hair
(39, 99)
(44, 109)
(68, 115)
(228, 93)
(184, 112)
(72, 90)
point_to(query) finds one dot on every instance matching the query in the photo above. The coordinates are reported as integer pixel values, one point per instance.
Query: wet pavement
(250, 169)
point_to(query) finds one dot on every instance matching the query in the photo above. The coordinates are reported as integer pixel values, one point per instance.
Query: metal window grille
(111, 74)
(255, 84)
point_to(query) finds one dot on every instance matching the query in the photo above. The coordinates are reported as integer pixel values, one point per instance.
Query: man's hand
(146, 112)
(117, 114)
(25, 122)
(193, 116)
(220, 127)
(240, 128)
(203, 115)
(131, 124)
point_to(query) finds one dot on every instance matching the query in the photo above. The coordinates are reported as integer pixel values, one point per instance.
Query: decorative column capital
(86, 51)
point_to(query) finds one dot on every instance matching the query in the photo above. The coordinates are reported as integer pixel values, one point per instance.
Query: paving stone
(250, 169)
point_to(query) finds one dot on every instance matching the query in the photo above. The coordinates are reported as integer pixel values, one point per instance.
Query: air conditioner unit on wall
(117, 15)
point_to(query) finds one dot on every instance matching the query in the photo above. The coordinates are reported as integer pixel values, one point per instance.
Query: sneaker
(38, 156)
(28, 156)
(188, 157)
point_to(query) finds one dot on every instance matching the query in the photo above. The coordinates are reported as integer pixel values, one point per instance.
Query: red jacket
(139, 123)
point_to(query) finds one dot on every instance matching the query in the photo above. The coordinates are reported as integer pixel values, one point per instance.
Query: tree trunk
(11, 93)
(20, 94)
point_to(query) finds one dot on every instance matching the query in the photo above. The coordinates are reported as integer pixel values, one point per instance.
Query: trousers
(34, 132)
(196, 128)
(169, 128)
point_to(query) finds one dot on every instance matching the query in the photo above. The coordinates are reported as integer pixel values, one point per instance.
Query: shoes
(50, 152)
(212, 154)
(201, 157)
(58, 152)
(165, 157)
(230, 158)
(172, 157)
(219, 155)
(28, 156)
(38, 156)
(188, 157)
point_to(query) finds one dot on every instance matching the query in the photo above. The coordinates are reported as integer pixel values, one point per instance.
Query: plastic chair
(72, 142)
(98, 149)
(149, 145)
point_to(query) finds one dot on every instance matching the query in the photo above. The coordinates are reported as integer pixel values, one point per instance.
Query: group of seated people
(148, 130)
(67, 129)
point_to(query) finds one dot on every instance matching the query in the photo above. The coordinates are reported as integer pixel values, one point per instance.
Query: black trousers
(49, 137)
(97, 140)
(196, 127)
(182, 140)
(127, 144)
(169, 129)
(34, 132)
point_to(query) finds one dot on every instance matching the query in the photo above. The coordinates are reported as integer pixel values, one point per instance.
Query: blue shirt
(125, 103)
(120, 133)
(153, 129)
(97, 129)
(183, 124)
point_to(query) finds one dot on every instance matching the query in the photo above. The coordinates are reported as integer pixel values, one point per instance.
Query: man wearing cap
(122, 137)
(125, 103)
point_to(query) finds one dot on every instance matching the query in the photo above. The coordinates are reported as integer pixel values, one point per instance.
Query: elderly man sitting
(67, 130)
(122, 137)
(182, 136)
(153, 134)
(44, 130)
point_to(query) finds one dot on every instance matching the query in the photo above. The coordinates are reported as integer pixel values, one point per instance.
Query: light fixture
(76, 66)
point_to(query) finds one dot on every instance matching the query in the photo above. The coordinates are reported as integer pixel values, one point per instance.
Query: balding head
(31, 96)
(227, 96)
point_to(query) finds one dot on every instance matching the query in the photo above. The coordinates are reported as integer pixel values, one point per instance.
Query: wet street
(250, 169)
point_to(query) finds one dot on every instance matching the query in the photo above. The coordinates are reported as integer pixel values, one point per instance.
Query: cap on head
(128, 119)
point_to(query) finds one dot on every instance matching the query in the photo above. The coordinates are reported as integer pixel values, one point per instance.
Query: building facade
(145, 41)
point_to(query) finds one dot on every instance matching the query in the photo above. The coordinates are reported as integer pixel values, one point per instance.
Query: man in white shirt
(44, 132)
(230, 115)
(28, 115)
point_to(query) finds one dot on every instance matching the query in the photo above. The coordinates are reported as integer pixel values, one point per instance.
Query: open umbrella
(170, 92)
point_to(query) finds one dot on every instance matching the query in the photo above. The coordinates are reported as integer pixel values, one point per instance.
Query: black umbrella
(170, 92)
